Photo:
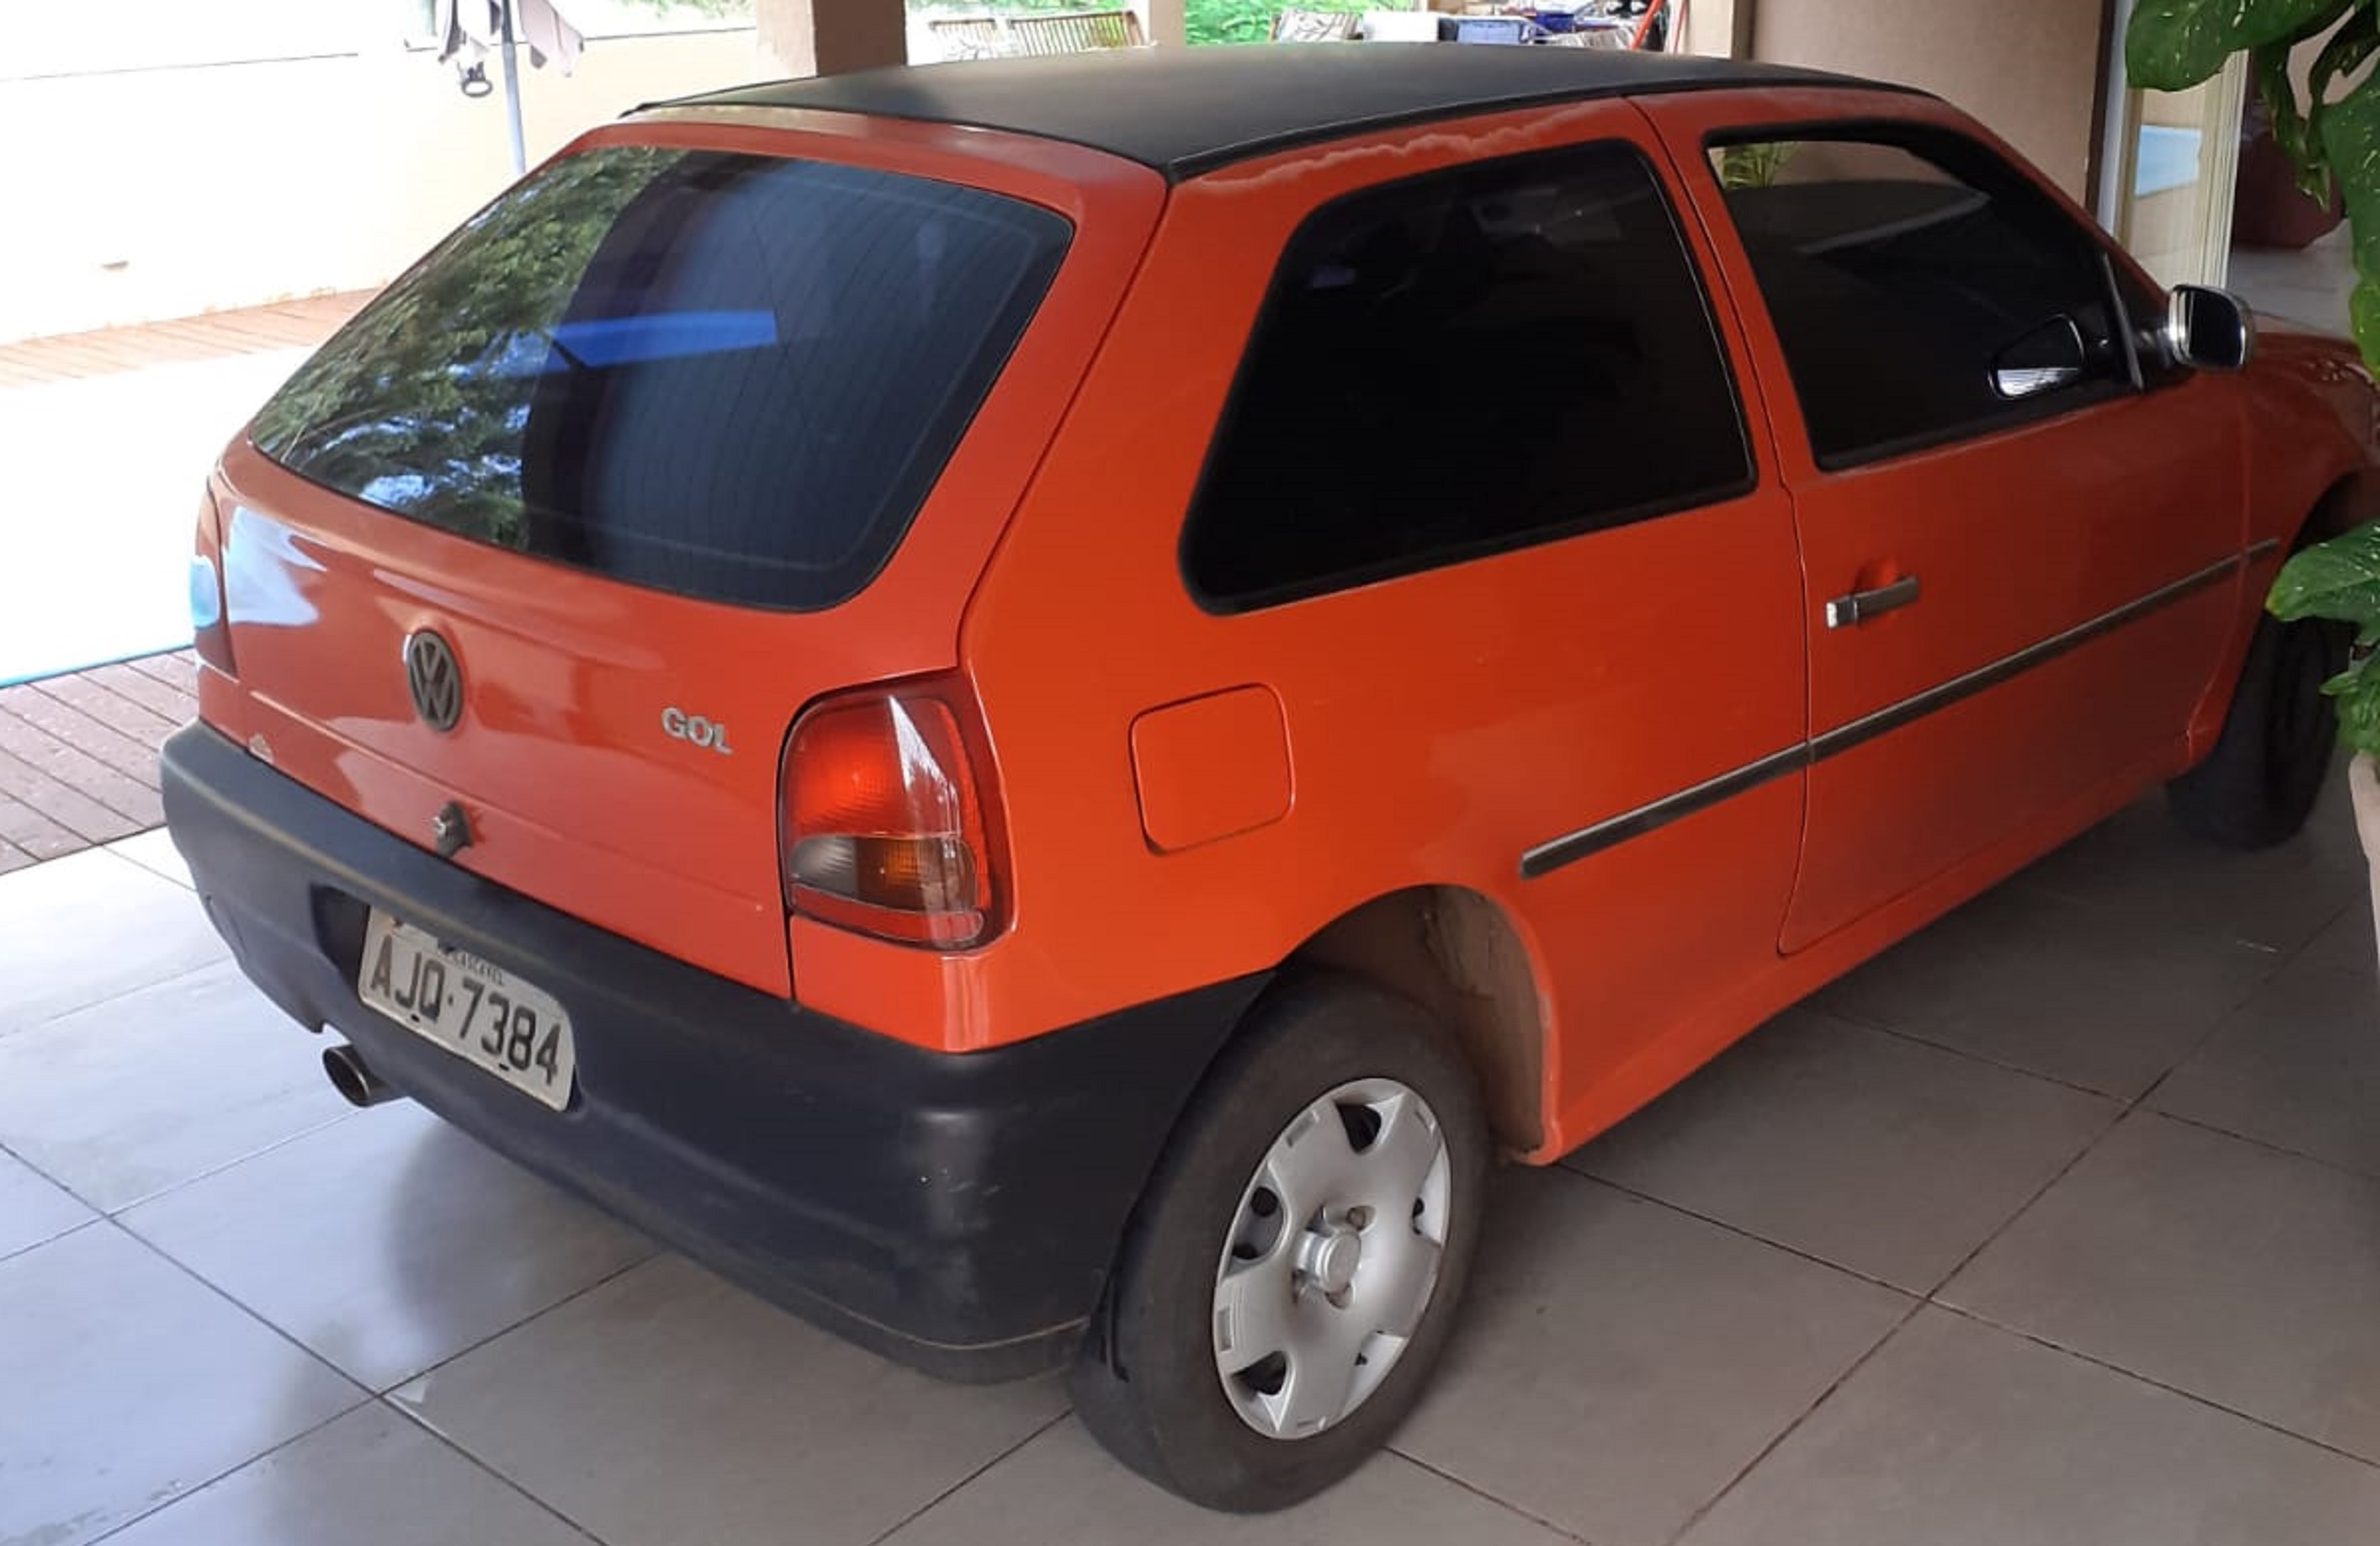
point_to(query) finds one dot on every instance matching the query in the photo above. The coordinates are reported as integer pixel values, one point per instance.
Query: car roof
(1188, 110)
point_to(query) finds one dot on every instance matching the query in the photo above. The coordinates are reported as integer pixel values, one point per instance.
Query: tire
(2259, 784)
(1150, 1381)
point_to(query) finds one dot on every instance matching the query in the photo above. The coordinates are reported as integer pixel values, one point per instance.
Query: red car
(1034, 706)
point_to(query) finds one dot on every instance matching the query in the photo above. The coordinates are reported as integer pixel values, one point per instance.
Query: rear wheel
(1296, 1264)
(2259, 784)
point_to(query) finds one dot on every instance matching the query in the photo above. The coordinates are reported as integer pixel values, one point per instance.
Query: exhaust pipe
(353, 1077)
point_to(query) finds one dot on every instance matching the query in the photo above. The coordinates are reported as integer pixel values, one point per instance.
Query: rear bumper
(955, 1211)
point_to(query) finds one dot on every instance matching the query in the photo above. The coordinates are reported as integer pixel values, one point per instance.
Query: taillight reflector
(210, 627)
(884, 826)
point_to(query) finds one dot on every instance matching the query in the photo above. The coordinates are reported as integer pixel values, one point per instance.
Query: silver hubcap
(1331, 1258)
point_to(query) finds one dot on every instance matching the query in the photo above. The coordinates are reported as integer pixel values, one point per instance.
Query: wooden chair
(1315, 26)
(968, 37)
(998, 36)
(1076, 32)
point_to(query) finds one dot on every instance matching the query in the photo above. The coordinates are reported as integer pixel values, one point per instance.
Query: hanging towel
(473, 28)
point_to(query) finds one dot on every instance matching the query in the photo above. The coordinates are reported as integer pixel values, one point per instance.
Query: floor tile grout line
(115, 998)
(1976, 1317)
(113, 848)
(657, 1253)
(368, 1395)
(960, 1485)
(246, 1310)
(1503, 1504)
(363, 1394)
(2030, 1203)
(98, 1214)
(423, 1425)
(1918, 1305)
(112, 1214)
(2139, 920)
(2286, 960)
(1777, 1440)
(2266, 1145)
(212, 1171)
(186, 1494)
(2023, 882)
(1918, 1038)
(1737, 1230)
(9, 1255)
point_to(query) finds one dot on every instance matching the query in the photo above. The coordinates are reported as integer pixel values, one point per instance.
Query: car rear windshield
(734, 377)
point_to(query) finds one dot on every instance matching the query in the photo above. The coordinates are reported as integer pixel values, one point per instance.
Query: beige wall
(1722, 29)
(2029, 69)
(165, 193)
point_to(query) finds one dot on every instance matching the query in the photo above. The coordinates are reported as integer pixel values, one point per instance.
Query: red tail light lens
(883, 825)
(210, 627)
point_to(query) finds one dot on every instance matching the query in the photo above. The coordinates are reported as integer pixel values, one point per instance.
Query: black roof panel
(1186, 111)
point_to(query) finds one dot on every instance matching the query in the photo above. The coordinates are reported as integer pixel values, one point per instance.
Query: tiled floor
(2306, 284)
(2059, 1224)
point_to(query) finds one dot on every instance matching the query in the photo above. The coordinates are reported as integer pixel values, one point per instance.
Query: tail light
(210, 627)
(883, 823)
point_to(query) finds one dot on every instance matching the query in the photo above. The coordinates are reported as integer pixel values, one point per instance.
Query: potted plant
(2340, 581)
(2331, 136)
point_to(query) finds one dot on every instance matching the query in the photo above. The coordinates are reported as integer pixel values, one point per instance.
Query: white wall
(143, 194)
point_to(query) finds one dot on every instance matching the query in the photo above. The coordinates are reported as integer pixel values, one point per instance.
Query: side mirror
(2047, 359)
(2208, 328)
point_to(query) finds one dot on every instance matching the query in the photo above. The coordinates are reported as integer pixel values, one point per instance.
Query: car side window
(1460, 363)
(1923, 289)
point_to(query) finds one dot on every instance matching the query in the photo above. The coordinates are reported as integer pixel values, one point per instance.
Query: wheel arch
(2352, 499)
(1457, 954)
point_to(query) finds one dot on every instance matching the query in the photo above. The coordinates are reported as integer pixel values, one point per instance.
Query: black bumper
(957, 1213)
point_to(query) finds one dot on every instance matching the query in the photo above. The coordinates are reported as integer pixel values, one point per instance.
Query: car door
(1473, 496)
(2019, 525)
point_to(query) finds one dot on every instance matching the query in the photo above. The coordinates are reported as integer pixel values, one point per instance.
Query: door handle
(1858, 607)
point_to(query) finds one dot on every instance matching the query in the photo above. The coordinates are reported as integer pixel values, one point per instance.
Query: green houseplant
(2328, 121)
(2339, 581)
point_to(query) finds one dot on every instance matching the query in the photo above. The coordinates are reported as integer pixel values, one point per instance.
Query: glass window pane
(1457, 364)
(1899, 276)
(731, 377)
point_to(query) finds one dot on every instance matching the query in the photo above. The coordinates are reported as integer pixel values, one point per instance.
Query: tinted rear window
(729, 376)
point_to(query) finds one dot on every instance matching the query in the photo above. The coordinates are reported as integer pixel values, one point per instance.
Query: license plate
(474, 1009)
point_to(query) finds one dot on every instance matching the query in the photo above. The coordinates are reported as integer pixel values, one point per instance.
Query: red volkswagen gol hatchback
(1034, 706)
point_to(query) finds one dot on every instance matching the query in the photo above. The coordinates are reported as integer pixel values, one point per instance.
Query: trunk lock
(451, 830)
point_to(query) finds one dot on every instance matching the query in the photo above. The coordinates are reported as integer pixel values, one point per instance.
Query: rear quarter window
(1462, 363)
(729, 376)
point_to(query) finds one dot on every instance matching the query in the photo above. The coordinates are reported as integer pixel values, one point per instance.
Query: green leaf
(2173, 45)
(2363, 318)
(2351, 143)
(2349, 47)
(2338, 578)
(2356, 690)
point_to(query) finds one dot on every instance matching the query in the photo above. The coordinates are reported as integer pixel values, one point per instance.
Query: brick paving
(78, 754)
(108, 351)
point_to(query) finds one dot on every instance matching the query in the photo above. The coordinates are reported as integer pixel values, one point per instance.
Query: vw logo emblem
(434, 680)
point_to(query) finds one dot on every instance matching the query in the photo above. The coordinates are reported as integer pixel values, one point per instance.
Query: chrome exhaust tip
(353, 1079)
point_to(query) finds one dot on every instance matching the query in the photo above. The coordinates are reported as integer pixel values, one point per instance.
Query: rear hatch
(689, 428)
